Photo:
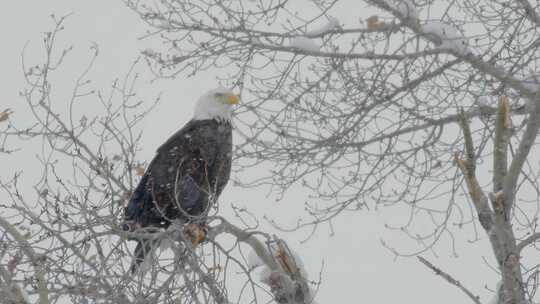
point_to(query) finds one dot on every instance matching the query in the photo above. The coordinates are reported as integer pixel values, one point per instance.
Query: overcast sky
(357, 268)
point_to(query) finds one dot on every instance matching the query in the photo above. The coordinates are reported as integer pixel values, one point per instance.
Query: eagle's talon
(196, 233)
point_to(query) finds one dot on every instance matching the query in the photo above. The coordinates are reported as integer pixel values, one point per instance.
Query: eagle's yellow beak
(232, 99)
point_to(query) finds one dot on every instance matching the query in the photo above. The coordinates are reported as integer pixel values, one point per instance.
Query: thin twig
(450, 279)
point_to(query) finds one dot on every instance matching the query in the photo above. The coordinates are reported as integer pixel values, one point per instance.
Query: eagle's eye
(219, 95)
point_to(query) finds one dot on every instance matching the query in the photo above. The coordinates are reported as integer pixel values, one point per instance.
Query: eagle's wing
(180, 170)
(177, 178)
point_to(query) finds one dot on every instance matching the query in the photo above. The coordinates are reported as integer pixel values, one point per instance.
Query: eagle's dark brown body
(184, 179)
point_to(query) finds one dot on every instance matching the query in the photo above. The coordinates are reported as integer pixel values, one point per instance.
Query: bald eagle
(188, 173)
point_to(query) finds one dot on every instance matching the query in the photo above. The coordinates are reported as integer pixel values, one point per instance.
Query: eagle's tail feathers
(141, 253)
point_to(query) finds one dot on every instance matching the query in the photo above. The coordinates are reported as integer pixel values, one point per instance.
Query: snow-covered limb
(475, 61)
(279, 252)
(288, 283)
(448, 36)
(280, 268)
(305, 44)
(332, 24)
(406, 8)
(442, 34)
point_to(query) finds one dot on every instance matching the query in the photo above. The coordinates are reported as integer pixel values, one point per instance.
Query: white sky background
(357, 268)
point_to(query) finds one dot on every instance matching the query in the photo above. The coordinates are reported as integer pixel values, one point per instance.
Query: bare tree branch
(449, 279)
(37, 261)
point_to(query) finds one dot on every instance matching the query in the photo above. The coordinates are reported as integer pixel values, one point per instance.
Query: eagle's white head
(216, 104)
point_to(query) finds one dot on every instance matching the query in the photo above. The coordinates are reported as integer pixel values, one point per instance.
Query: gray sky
(357, 268)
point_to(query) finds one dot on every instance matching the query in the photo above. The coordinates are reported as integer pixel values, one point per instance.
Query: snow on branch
(406, 8)
(333, 23)
(280, 268)
(448, 36)
(289, 281)
(304, 44)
